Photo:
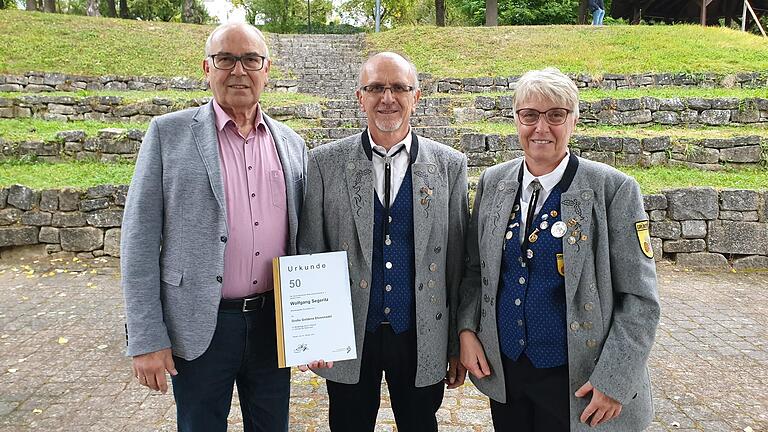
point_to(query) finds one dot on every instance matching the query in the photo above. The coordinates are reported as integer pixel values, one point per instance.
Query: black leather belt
(246, 304)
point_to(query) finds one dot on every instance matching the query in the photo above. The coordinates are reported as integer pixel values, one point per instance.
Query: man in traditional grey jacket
(216, 195)
(397, 203)
(558, 303)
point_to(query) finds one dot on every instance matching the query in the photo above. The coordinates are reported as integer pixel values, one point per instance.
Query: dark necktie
(536, 186)
(387, 186)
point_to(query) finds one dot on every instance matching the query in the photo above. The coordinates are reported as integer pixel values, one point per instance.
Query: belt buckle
(254, 300)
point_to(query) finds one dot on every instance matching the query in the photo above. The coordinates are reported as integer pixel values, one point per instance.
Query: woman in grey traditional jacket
(559, 306)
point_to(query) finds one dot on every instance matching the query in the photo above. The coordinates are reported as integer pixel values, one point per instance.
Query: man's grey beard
(385, 126)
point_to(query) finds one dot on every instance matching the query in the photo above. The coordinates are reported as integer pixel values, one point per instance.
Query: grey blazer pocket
(170, 276)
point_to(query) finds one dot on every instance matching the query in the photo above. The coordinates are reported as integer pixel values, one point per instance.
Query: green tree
(523, 12)
(393, 12)
(286, 16)
(168, 10)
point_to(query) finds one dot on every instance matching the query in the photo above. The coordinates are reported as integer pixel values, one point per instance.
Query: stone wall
(698, 227)
(51, 81)
(708, 153)
(637, 111)
(118, 108)
(482, 150)
(605, 82)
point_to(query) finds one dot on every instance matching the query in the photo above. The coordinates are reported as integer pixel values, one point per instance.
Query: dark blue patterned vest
(531, 302)
(392, 272)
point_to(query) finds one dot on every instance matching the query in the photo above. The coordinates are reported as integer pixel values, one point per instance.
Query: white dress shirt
(548, 182)
(399, 166)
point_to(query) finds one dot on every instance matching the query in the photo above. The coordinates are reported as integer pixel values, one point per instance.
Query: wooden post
(744, 17)
(704, 12)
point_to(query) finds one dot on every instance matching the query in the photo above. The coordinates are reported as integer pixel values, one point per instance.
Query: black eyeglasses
(379, 89)
(553, 116)
(250, 62)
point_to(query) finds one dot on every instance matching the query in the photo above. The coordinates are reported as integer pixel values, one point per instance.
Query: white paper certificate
(313, 308)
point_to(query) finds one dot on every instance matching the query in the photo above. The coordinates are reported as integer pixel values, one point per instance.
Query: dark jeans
(538, 400)
(242, 351)
(353, 407)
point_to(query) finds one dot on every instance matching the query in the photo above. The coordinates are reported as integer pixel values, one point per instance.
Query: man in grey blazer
(558, 303)
(397, 203)
(216, 194)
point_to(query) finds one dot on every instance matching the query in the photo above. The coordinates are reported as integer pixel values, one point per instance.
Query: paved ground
(62, 366)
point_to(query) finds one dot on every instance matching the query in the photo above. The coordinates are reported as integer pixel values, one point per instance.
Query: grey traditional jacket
(612, 306)
(174, 228)
(338, 215)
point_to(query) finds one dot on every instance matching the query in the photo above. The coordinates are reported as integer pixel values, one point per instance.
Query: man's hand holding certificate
(313, 308)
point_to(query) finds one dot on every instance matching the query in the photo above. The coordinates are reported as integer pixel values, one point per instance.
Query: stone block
(693, 229)
(629, 104)
(702, 261)
(750, 216)
(51, 249)
(743, 238)
(583, 142)
(513, 142)
(473, 143)
(725, 103)
(121, 193)
(485, 103)
(745, 116)
(36, 218)
(699, 104)
(68, 219)
(505, 102)
(105, 218)
(69, 199)
(753, 262)
(657, 215)
(693, 203)
(49, 200)
(654, 202)
(598, 156)
(494, 142)
(611, 144)
(100, 191)
(667, 230)
(631, 145)
(686, 246)
(71, 136)
(88, 205)
(715, 117)
(656, 144)
(49, 235)
(18, 236)
(749, 154)
(468, 115)
(10, 216)
(22, 197)
(672, 104)
(3, 197)
(739, 199)
(112, 242)
(636, 117)
(81, 239)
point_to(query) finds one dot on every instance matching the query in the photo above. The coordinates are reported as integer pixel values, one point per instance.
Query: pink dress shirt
(257, 214)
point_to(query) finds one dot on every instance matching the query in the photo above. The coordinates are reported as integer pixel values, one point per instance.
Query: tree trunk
(186, 12)
(49, 6)
(124, 9)
(440, 13)
(583, 4)
(491, 13)
(111, 10)
(2, 4)
(93, 8)
(31, 5)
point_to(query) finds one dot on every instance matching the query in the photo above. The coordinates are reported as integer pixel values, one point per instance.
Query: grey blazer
(172, 252)
(338, 215)
(612, 307)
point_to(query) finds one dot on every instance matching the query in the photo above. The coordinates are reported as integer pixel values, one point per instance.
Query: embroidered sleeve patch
(644, 238)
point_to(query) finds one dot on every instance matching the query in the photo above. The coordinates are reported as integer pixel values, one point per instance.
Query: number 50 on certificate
(313, 309)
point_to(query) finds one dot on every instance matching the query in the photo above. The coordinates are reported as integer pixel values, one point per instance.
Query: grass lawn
(87, 174)
(267, 98)
(71, 174)
(504, 51)
(15, 130)
(35, 41)
(634, 131)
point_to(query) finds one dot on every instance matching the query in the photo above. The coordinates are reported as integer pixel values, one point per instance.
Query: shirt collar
(223, 119)
(550, 180)
(406, 141)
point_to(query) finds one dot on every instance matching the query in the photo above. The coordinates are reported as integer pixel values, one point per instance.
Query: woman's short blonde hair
(550, 85)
